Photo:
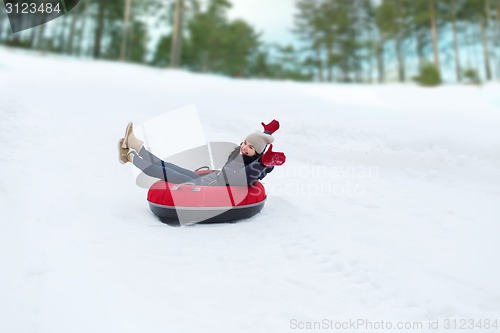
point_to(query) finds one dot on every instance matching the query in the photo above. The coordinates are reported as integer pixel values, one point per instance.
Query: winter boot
(130, 141)
(122, 152)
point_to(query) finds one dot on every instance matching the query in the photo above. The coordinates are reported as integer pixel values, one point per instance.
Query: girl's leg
(149, 156)
(163, 171)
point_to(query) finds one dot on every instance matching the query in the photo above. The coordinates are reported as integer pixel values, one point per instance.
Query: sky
(273, 18)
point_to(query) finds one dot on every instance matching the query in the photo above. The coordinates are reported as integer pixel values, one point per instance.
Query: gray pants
(154, 167)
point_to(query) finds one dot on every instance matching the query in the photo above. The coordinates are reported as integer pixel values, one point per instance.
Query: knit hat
(259, 141)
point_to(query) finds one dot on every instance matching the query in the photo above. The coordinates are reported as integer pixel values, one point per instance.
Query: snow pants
(155, 167)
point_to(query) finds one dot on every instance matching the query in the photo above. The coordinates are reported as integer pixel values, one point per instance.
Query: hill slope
(387, 208)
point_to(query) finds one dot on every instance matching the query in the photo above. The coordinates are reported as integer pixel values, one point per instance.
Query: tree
(162, 47)
(239, 41)
(136, 50)
(454, 11)
(484, 23)
(389, 22)
(83, 27)
(476, 16)
(125, 29)
(429, 75)
(307, 26)
(99, 29)
(434, 31)
(497, 13)
(177, 34)
(206, 30)
(393, 20)
(3, 22)
(71, 37)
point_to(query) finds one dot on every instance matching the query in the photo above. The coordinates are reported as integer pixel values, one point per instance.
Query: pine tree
(308, 25)
(389, 23)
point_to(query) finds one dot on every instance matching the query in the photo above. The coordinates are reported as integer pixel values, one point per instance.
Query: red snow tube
(189, 203)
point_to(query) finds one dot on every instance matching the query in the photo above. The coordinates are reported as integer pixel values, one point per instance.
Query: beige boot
(122, 152)
(130, 141)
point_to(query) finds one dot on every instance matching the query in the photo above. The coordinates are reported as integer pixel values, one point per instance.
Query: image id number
(470, 324)
(32, 8)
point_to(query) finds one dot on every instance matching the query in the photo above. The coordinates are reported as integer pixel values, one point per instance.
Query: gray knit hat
(259, 141)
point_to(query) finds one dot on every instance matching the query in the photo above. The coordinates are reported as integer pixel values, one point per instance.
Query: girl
(247, 164)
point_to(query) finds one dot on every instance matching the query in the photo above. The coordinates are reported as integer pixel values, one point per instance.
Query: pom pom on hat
(259, 141)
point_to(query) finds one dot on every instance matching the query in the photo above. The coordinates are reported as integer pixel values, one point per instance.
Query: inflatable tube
(188, 203)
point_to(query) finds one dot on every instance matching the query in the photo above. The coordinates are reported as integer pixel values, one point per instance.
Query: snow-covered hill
(387, 208)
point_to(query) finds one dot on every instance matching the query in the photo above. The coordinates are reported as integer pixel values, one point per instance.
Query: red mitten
(272, 127)
(271, 158)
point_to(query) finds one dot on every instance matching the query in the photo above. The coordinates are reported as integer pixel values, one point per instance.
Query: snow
(386, 209)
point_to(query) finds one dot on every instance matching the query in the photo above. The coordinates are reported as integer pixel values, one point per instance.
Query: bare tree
(175, 54)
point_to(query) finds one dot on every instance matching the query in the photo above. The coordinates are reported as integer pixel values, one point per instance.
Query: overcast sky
(274, 18)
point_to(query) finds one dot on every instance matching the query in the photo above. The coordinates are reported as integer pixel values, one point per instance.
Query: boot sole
(120, 156)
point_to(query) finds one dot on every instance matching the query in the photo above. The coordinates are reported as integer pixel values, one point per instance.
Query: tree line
(358, 41)
(361, 41)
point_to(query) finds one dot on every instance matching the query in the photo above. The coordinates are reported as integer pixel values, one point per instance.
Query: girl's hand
(272, 127)
(271, 158)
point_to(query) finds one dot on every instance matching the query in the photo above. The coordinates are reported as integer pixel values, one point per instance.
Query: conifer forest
(355, 41)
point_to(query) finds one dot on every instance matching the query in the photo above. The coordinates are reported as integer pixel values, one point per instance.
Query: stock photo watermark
(319, 180)
(26, 14)
(363, 324)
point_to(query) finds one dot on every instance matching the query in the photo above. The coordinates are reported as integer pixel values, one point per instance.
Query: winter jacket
(239, 170)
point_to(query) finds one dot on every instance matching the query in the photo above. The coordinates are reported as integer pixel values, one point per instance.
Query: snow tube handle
(194, 189)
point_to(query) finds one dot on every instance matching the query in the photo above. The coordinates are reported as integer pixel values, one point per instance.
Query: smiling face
(246, 148)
